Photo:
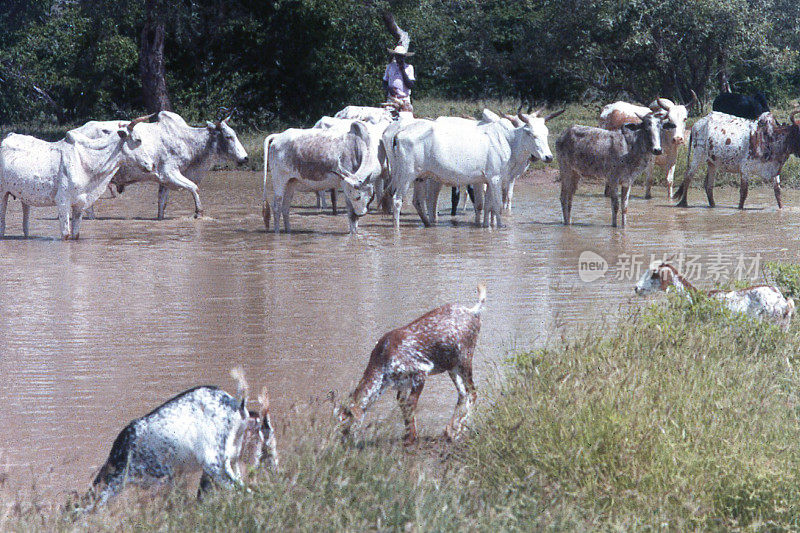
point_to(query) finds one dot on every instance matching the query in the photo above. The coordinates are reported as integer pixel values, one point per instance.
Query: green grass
(681, 417)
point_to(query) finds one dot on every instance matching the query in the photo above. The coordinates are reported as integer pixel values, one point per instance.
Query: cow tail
(265, 210)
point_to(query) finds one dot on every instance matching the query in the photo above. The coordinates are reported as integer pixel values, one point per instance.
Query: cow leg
(26, 216)
(569, 184)
(744, 186)
(418, 200)
(333, 201)
(163, 197)
(277, 211)
(351, 216)
(179, 180)
(397, 205)
(776, 186)
(670, 181)
(648, 184)
(64, 219)
(321, 201)
(495, 204)
(434, 187)
(683, 189)
(265, 214)
(77, 216)
(288, 193)
(455, 197)
(614, 204)
(479, 202)
(626, 193)
(711, 173)
(408, 406)
(3, 208)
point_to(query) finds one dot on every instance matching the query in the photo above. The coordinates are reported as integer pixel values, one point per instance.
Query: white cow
(318, 160)
(375, 129)
(182, 154)
(69, 174)
(459, 156)
(616, 115)
(732, 144)
(373, 115)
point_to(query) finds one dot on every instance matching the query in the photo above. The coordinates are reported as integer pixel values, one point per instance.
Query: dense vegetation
(297, 59)
(681, 417)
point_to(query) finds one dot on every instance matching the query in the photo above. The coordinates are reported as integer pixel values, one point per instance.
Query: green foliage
(299, 59)
(786, 276)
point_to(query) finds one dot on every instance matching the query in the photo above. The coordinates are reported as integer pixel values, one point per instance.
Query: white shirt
(394, 79)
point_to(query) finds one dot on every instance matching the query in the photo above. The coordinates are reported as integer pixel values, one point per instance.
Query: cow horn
(662, 104)
(694, 100)
(554, 115)
(523, 118)
(792, 114)
(536, 113)
(139, 120)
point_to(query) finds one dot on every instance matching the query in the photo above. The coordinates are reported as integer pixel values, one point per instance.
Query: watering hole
(97, 332)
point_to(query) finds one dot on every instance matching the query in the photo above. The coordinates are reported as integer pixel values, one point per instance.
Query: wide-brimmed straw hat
(400, 50)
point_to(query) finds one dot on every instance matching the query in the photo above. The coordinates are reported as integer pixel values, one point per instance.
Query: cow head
(650, 126)
(132, 144)
(536, 132)
(228, 142)
(673, 118)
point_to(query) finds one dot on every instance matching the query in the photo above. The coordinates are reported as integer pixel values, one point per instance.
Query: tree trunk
(151, 61)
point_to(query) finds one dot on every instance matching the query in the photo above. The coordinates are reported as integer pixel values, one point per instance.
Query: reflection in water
(97, 332)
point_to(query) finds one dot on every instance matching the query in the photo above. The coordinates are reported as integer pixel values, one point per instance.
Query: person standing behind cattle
(398, 79)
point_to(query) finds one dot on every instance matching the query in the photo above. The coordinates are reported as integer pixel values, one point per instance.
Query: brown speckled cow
(740, 146)
(442, 340)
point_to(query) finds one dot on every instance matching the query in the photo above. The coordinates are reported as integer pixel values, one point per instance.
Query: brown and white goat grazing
(202, 429)
(442, 340)
(759, 301)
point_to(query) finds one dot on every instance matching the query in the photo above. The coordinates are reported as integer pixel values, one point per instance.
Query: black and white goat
(202, 429)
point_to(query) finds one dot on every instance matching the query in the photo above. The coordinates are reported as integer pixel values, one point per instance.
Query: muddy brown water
(97, 332)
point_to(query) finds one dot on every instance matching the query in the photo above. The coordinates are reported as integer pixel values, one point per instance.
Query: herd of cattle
(379, 152)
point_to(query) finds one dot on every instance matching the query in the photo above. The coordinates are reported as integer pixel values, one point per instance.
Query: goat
(203, 429)
(758, 301)
(442, 340)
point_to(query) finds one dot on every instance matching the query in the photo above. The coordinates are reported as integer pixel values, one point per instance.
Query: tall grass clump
(685, 417)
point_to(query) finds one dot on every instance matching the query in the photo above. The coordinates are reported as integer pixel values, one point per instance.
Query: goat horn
(139, 120)
(554, 115)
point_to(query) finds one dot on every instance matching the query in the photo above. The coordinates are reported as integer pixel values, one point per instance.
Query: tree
(151, 59)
